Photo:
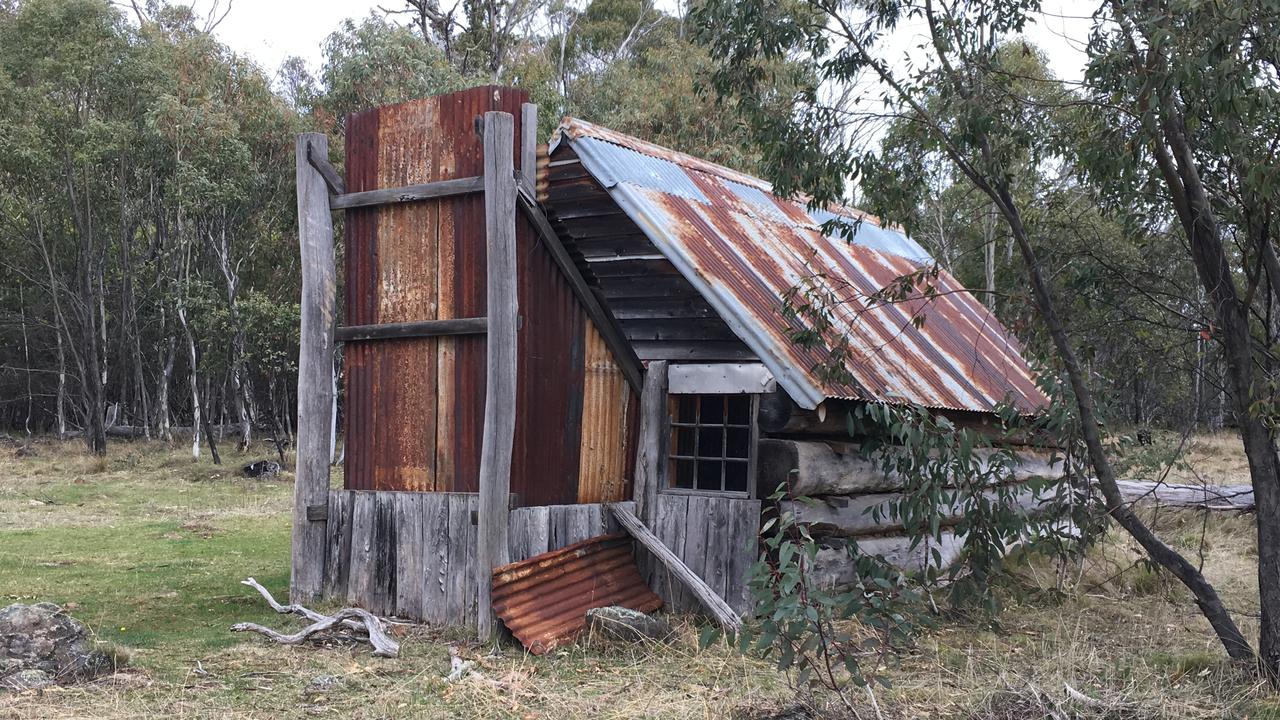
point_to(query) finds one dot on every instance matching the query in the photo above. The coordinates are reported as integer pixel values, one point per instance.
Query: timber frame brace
(322, 190)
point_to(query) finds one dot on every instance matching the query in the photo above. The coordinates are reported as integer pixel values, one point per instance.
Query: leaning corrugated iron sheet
(743, 248)
(544, 600)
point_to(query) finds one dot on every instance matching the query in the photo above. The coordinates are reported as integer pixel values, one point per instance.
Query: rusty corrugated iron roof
(544, 600)
(743, 248)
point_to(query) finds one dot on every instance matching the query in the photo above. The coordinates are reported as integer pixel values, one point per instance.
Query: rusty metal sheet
(414, 408)
(604, 446)
(544, 600)
(743, 248)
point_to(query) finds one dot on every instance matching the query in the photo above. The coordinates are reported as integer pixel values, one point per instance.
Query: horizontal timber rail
(408, 193)
(424, 328)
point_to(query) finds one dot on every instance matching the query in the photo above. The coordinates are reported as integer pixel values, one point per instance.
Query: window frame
(753, 440)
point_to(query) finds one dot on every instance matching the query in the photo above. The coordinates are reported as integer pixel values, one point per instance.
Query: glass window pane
(735, 477)
(709, 474)
(739, 442)
(682, 473)
(710, 442)
(682, 440)
(739, 409)
(712, 409)
(686, 408)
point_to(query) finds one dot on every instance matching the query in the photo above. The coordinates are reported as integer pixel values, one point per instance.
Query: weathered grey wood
(1208, 497)
(471, 601)
(715, 605)
(410, 583)
(717, 546)
(436, 578)
(424, 328)
(834, 568)
(597, 311)
(315, 366)
(611, 524)
(655, 437)
(338, 555)
(320, 161)
(670, 518)
(811, 468)
(360, 576)
(382, 598)
(459, 572)
(529, 144)
(847, 516)
(529, 532)
(743, 552)
(500, 378)
(408, 193)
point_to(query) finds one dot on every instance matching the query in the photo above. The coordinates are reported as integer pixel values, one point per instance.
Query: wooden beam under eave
(422, 328)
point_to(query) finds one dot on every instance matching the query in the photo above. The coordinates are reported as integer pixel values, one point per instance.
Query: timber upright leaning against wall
(315, 368)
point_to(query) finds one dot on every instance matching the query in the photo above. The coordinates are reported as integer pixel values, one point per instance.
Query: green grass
(149, 548)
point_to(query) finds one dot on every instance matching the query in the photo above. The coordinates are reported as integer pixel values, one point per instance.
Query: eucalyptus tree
(965, 96)
(1191, 92)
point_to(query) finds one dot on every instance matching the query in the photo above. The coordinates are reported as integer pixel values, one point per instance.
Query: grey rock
(261, 469)
(40, 645)
(322, 684)
(626, 625)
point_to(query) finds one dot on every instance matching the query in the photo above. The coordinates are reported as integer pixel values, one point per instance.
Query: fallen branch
(355, 619)
(383, 645)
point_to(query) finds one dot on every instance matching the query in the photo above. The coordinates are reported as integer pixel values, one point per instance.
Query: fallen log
(1207, 497)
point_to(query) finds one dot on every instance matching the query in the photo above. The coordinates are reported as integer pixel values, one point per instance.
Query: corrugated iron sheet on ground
(743, 248)
(544, 600)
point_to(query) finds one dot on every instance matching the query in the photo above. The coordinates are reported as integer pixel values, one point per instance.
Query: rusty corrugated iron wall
(415, 406)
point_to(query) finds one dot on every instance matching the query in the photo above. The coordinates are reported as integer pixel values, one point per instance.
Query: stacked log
(848, 497)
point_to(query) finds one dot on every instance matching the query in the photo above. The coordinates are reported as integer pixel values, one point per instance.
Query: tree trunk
(193, 360)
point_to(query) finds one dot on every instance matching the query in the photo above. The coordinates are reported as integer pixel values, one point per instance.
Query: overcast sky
(271, 30)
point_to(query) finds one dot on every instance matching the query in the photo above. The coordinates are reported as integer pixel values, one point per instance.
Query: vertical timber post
(655, 436)
(529, 147)
(315, 373)
(500, 387)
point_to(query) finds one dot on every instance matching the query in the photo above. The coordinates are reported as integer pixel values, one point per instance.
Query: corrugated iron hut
(532, 333)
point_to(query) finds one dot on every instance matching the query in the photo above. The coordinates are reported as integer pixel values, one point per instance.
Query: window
(712, 442)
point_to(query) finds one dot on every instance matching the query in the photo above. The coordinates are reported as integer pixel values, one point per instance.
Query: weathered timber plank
(408, 193)
(529, 144)
(744, 534)
(670, 512)
(410, 582)
(458, 571)
(360, 577)
(845, 516)
(320, 161)
(385, 549)
(436, 579)
(424, 328)
(715, 605)
(651, 458)
(338, 554)
(315, 367)
(500, 379)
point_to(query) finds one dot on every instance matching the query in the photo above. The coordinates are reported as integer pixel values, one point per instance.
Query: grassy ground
(148, 548)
